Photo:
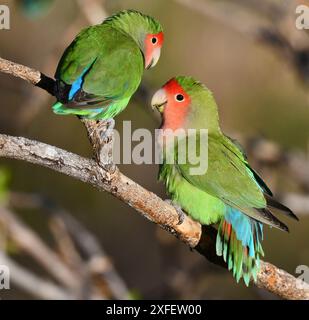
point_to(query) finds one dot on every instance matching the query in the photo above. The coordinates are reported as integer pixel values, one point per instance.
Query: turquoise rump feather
(239, 241)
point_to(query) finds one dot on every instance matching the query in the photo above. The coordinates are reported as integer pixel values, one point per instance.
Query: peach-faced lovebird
(102, 68)
(229, 194)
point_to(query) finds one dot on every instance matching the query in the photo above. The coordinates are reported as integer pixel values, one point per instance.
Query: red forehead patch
(176, 109)
(160, 37)
(173, 87)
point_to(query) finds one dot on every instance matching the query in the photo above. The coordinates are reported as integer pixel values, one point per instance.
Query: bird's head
(153, 43)
(185, 103)
(146, 31)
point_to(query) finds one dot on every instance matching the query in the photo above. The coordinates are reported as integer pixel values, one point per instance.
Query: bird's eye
(154, 40)
(179, 97)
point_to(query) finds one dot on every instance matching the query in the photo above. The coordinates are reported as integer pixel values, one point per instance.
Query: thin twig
(269, 22)
(32, 244)
(98, 261)
(29, 282)
(65, 245)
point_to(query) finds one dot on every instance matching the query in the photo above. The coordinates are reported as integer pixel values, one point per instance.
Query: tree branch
(87, 170)
(32, 244)
(38, 287)
(145, 202)
(75, 242)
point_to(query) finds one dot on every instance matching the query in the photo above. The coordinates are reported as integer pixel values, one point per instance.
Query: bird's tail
(60, 108)
(239, 242)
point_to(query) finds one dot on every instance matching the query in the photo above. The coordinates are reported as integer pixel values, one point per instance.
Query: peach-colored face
(153, 44)
(176, 108)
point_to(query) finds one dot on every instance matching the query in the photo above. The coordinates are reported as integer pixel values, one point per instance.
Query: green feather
(134, 24)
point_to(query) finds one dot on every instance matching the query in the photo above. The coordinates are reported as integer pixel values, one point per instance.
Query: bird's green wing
(229, 179)
(243, 157)
(227, 176)
(80, 54)
(271, 202)
(101, 65)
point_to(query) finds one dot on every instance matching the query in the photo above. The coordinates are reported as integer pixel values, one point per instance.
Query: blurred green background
(257, 92)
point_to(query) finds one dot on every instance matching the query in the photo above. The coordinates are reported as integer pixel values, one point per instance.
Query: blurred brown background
(258, 91)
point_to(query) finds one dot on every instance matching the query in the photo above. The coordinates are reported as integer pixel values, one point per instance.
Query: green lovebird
(229, 194)
(103, 67)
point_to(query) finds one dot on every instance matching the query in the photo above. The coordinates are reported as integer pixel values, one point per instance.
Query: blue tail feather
(239, 242)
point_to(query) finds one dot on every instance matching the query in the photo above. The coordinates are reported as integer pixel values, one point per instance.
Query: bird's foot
(106, 129)
(181, 214)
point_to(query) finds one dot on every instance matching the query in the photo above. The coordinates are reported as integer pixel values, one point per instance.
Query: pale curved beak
(159, 100)
(155, 58)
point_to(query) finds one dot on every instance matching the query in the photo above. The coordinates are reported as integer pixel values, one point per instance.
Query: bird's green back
(117, 62)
